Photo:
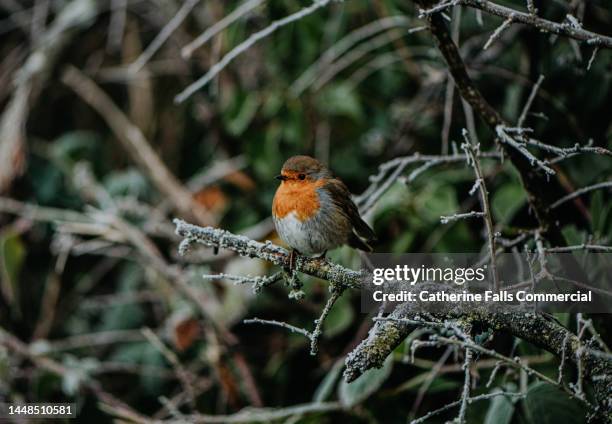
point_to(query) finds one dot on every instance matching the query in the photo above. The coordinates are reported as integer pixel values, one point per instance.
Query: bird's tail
(358, 243)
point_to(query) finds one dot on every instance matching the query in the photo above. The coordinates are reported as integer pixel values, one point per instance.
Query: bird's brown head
(303, 169)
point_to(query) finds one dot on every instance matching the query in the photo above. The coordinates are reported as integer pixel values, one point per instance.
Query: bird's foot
(321, 256)
(292, 260)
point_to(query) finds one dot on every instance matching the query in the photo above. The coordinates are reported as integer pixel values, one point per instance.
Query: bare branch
(265, 414)
(466, 385)
(179, 369)
(536, 329)
(342, 46)
(163, 35)
(219, 26)
(484, 201)
(358, 53)
(591, 247)
(30, 80)
(389, 173)
(592, 59)
(580, 192)
(564, 152)
(448, 406)
(458, 216)
(289, 327)
(245, 45)
(509, 140)
(572, 31)
(116, 27)
(530, 99)
(136, 145)
(531, 7)
(539, 187)
(108, 401)
(498, 32)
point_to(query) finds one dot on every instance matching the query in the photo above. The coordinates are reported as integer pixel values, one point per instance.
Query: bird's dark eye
(301, 176)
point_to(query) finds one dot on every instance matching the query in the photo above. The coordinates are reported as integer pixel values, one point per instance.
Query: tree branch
(387, 334)
(541, 190)
(135, 143)
(218, 238)
(567, 29)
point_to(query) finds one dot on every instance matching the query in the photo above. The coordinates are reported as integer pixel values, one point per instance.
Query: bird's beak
(281, 177)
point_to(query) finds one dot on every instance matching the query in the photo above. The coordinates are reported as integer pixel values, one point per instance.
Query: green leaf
(12, 255)
(351, 394)
(601, 213)
(507, 201)
(340, 317)
(75, 146)
(326, 387)
(438, 385)
(546, 404)
(403, 242)
(238, 122)
(129, 182)
(573, 235)
(145, 354)
(436, 200)
(125, 315)
(501, 410)
(340, 100)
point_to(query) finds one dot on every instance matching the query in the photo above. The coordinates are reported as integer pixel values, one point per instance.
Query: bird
(313, 212)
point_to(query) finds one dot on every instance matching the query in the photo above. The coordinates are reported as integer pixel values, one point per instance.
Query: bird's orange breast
(297, 196)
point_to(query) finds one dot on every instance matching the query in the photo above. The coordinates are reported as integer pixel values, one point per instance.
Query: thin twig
(245, 45)
(591, 247)
(577, 33)
(219, 26)
(467, 381)
(116, 27)
(182, 374)
(163, 35)
(448, 406)
(531, 7)
(264, 414)
(285, 325)
(484, 200)
(108, 401)
(316, 333)
(136, 145)
(498, 32)
(503, 135)
(459, 216)
(342, 46)
(580, 192)
(592, 59)
(530, 99)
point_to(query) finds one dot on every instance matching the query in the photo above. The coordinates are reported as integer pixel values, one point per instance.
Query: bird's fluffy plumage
(313, 211)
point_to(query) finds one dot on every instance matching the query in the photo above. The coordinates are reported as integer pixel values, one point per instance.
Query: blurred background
(97, 155)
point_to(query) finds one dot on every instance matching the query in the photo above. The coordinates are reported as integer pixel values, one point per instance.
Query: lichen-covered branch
(543, 332)
(244, 246)
(570, 29)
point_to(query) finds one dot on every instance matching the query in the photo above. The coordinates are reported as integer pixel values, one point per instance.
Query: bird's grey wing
(342, 199)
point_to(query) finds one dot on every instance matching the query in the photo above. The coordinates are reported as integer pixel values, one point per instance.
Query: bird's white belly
(304, 236)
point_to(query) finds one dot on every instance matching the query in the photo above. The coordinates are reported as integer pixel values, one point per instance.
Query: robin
(313, 211)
